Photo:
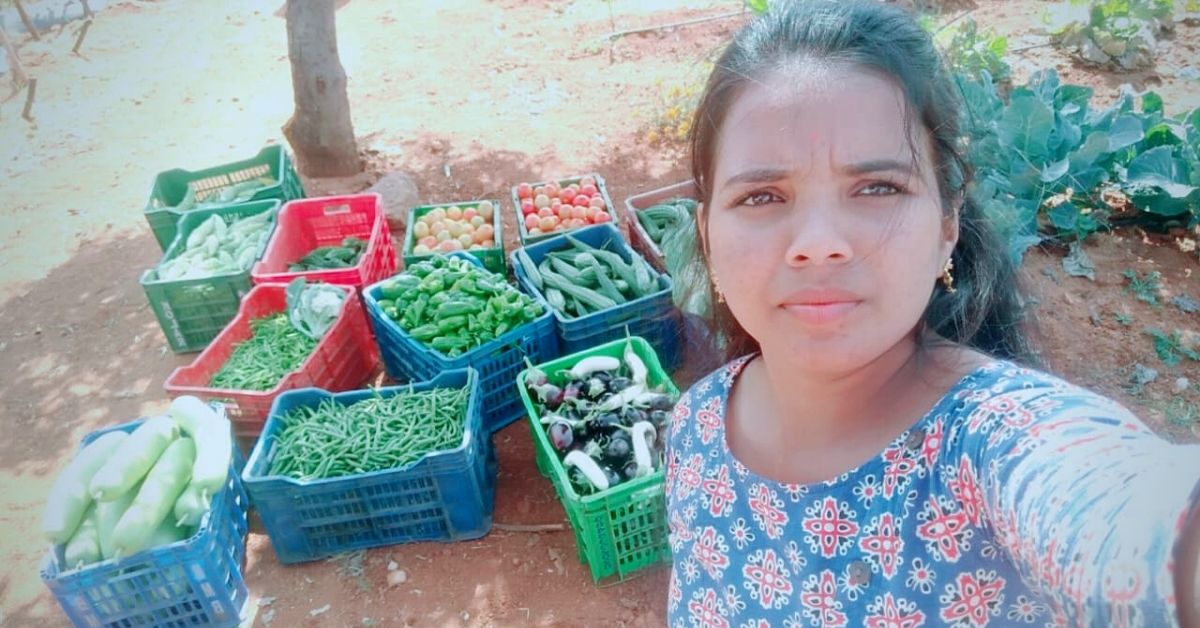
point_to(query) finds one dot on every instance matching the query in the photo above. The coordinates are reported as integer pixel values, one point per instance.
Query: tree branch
(26, 21)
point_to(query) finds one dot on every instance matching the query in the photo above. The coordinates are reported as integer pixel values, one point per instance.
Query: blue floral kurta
(1019, 499)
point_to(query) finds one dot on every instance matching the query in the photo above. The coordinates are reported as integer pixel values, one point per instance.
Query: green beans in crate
(268, 175)
(425, 490)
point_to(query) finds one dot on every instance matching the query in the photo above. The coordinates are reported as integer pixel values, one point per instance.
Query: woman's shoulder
(706, 397)
(1003, 394)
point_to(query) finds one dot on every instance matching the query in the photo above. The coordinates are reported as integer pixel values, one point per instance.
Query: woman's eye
(755, 199)
(879, 188)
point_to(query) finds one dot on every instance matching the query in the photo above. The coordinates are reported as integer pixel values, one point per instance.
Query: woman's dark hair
(985, 312)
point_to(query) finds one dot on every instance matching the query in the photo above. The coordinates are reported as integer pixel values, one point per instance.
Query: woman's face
(825, 234)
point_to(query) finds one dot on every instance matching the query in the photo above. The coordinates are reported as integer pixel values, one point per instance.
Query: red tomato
(564, 212)
(602, 216)
(566, 196)
(552, 189)
(578, 212)
(531, 221)
(555, 204)
(591, 213)
(548, 223)
(524, 191)
(587, 180)
(588, 189)
(544, 212)
(541, 200)
(527, 207)
(539, 190)
(581, 199)
(597, 201)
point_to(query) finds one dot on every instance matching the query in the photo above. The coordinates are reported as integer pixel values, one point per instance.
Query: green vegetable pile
(672, 226)
(279, 343)
(236, 193)
(331, 257)
(216, 248)
(583, 279)
(335, 440)
(453, 306)
(129, 491)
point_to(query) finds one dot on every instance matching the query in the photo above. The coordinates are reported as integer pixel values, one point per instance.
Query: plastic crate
(650, 316)
(345, 356)
(622, 530)
(315, 222)
(493, 259)
(171, 186)
(195, 581)
(638, 238)
(497, 361)
(445, 496)
(600, 186)
(191, 312)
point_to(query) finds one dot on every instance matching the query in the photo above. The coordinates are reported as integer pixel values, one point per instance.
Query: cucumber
(167, 533)
(84, 546)
(69, 496)
(213, 438)
(189, 509)
(155, 499)
(108, 514)
(133, 458)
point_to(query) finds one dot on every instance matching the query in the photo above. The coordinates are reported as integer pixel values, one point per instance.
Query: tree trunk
(19, 78)
(319, 130)
(87, 11)
(26, 21)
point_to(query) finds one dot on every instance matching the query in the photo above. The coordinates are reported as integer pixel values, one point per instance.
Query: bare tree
(26, 21)
(19, 78)
(320, 130)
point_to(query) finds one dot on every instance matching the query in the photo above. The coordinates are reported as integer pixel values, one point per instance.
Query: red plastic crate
(313, 222)
(345, 357)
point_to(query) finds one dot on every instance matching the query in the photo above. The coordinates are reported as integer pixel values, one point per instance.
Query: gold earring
(947, 276)
(717, 288)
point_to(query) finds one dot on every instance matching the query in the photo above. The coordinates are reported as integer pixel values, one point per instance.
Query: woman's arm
(1089, 504)
(1187, 584)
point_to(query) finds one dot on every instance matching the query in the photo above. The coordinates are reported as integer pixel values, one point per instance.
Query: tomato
(429, 241)
(552, 189)
(531, 221)
(487, 244)
(591, 213)
(587, 180)
(443, 235)
(486, 232)
(469, 213)
(548, 223)
(487, 210)
(581, 199)
(437, 226)
(564, 211)
(541, 200)
(454, 212)
(420, 229)
(544, 212)
(602, 216)
(466, 240)
(555, 204)
(478, 221)
(449, 245)
(421, 249)
(455, 229)
(597, 201)
(524, 191)
(527, 207)
(589, 189)
(539, 190)
(578, 213)
(567, 196)
(535, 231)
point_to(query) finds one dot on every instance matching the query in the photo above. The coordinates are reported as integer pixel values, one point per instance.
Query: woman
(878, 450)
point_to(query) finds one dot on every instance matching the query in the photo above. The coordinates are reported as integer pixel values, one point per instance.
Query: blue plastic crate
(653, 317)
(497, 362)
(196, 581)
(445, 496)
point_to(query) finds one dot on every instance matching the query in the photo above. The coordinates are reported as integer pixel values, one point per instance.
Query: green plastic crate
(171, 186)
(601, 187)
(493, 259)
(192, 312)
(622, 530)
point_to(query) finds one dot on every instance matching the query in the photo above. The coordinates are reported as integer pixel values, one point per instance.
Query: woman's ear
(950, 225)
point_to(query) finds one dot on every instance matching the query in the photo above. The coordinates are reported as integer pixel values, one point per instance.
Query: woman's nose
(817, 237)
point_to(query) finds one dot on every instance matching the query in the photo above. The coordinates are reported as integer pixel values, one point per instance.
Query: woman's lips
(821, 313)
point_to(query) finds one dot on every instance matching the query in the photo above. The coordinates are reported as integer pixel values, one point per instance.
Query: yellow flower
(652, 136)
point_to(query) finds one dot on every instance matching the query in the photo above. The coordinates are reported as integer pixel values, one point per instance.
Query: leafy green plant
(1123, 318)
(1049, 165)
(1145, 288)
(758, 6)
(1122, 33)
(1170, 348)
(971, 52)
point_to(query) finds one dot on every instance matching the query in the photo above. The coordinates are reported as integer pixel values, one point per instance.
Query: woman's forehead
(831, 114)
